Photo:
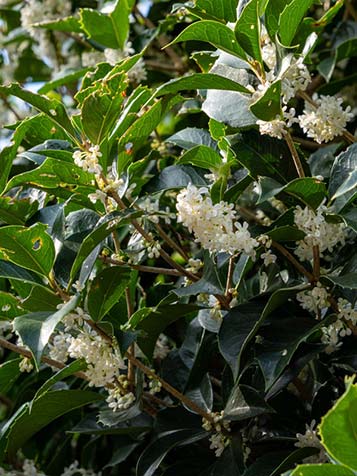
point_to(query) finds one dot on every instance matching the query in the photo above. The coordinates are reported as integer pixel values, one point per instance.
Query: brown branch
(26, 353)
(150, 373)
(229, 275)
(139, 267)
(294, 154)
(293, 261)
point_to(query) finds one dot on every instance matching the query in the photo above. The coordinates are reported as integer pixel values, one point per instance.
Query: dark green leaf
(200, 81)
(191, 137)
(106, 289)
(268, 106)
(24, 424)
(343, 173)
(176, 176)
(12, 271)
(348, 281)
(153, 455)
(9, 373)
(201, 156)
(245, 402)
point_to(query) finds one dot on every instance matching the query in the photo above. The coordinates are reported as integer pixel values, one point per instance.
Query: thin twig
(147, 371)
(229, 275)
(140, 267)
(26, 353)
(294, 154)
(293, 261)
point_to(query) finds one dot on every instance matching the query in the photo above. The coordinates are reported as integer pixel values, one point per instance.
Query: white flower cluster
(332, 334)
(103, 362)
(151, 206)
(29, 469)
(26, 365)
(88, 160)
(119, 398)
(214, 225)
(268, 256)
(110, 185)
(346, 311)
(35, 11)
(314, 299)
(277, 127)
(318, 232)
(325, 121)
(219, 439)
(309, 439)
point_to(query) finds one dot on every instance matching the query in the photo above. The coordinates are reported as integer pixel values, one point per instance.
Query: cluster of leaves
(261, 361)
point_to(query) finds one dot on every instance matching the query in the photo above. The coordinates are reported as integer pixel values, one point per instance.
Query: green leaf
(225, 10)
(213, 32)
(41, 299)
(10, 306)
(247, 30)
(36, 328)
(238, 328)
(268, 106)
(29, 419)
(321, 470)
(245, 402)
(53, 174)
(67, 371)
(110, 30)
(104, 228)
(272, 14)
(348, 281)
(343, 173)
(200, 81)
(153, 454)
(106, 289)
(201, 156)
(67, 24)
(8, 154)
(192, 136)
(175, 176)
(290, 19)
(12, 271)
(51, 107)
(31, 248)
(307, 190)
(350, 218)
(338, 428)
(16, 212)
(282, 340)
(101, 108)
(9, 373)
(286, 233)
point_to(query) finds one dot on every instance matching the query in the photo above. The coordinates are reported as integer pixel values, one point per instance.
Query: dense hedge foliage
(178, 225)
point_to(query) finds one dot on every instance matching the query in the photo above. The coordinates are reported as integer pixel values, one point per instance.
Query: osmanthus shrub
(178, 226)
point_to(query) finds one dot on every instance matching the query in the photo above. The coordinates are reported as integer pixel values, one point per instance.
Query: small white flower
(327, 120)
(309, 439)
(26, 365)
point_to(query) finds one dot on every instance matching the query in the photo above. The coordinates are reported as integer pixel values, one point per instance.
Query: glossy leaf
(201, 156)
(290, 18)
(247, 30)
(106, 289)
(268, 106)
(218, 35)
(31, 248)
(200, 81)
(29, 419)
